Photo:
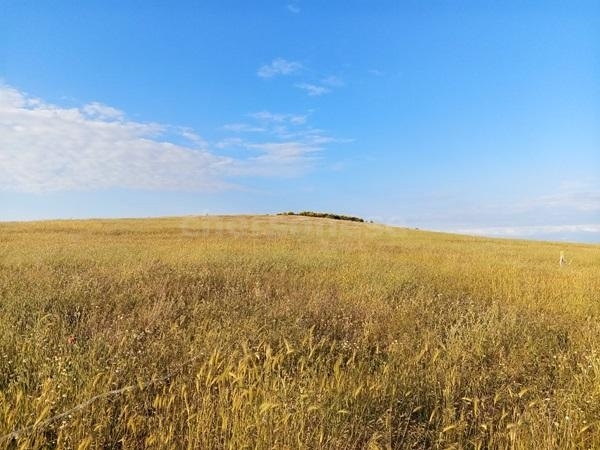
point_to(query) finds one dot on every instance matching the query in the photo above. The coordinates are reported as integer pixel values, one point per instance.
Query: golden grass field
(287, 332)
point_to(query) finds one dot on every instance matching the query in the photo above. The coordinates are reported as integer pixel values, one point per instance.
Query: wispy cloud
(286, 137)
(269, 117)
(230, 142)
(298, 151)
(45, 147)
(279, 66)
(242, 128)
(569, 212)
(293, 8)
(324, 86)
(332, 81)
(581, 200)
(315, 88)
(526, 231)
(294, 127)
(312, 89)
(103, 112)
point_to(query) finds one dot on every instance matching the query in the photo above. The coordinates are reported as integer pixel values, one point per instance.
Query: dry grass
(293, 332)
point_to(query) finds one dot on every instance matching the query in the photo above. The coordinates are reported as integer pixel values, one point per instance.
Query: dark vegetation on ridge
(324, 215)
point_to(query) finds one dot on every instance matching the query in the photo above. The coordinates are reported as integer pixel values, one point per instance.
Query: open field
(292, 332)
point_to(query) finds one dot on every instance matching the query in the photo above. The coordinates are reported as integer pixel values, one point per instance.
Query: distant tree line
(325, 215)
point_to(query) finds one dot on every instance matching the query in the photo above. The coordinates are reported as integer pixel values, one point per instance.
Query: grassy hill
(293, 332)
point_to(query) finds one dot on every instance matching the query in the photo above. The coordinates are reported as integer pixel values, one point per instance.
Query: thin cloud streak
(333, 81)
(242, 128)
(577, 200)
(278, 66)
(312, 89)
(269, 117)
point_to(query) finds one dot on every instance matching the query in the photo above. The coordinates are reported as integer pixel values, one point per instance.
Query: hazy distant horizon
(548, 234)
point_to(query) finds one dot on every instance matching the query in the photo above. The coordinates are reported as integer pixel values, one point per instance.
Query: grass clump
(281, 332)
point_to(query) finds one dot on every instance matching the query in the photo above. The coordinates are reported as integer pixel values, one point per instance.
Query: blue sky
(471, 116)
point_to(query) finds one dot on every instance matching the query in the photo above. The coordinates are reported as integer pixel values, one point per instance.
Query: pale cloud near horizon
(527, 231)
(570, 211)
(580, 200)
(45, 147)
(278, 66)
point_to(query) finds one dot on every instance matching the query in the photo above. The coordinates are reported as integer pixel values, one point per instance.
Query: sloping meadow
(293, 332)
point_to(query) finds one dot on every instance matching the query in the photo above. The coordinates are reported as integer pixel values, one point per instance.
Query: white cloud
(290, 141)
(192, 137)
(290, 157)
(270, 118)
(293, 8)
(570, 196)
(45, 147)
(275, 153)
(568, 214)
(312, 89)
(293, 127)
(48, 148)
(267, 116)
(578, 200)
(100, 111)
(230, 143)
(296, 119)
(278, 66)
(242, 128)
(332, 81)
(325, 86)
(285, 149)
